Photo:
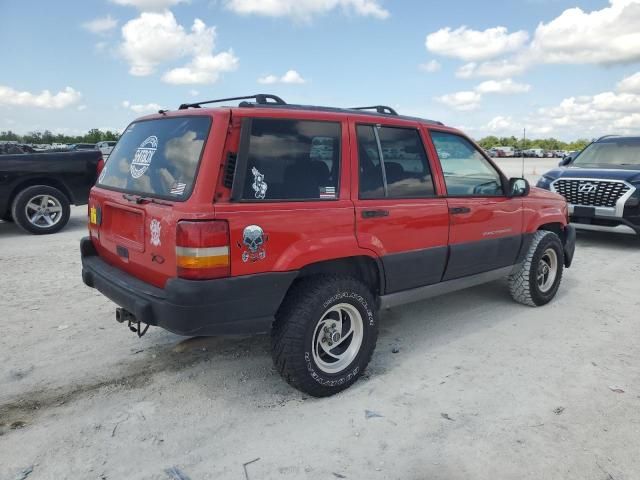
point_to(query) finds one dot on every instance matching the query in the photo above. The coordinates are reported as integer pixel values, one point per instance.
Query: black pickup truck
(37, 189)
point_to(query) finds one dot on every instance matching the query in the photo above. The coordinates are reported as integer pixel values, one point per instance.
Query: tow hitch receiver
(134, 325)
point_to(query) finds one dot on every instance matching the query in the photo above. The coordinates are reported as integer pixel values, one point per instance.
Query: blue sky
(562, 68)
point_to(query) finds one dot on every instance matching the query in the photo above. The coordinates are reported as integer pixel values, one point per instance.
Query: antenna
(524, 144)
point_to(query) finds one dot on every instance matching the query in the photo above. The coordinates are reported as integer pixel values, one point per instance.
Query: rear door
(289, 204)
(399, 215)
(142, 191)
(485, 225)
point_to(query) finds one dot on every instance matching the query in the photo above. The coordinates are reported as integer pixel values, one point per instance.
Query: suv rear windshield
(616, 152)
(157, 157)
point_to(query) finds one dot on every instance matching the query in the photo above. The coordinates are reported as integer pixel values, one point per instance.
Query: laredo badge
(142, 157)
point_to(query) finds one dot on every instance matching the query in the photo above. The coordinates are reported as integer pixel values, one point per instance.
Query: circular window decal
(142, 157)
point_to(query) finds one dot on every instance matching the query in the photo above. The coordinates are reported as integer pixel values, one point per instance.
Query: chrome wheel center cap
(335, 336)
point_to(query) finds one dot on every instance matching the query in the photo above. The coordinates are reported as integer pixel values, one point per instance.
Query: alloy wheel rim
(547, 270)
(337, 338)
(43, 211)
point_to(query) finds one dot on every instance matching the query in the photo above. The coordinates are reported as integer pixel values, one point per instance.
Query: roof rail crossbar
(260, 98)
(378, 108)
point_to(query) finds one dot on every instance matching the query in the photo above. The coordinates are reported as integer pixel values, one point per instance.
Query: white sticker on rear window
(143, 155)
(178, 188)
(259, 185)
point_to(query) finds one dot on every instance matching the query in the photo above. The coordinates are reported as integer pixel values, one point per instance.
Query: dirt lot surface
(481, 387)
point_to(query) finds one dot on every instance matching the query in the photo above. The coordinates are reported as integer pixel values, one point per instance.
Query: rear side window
(157, 157)
(291, 160)
(397, 167)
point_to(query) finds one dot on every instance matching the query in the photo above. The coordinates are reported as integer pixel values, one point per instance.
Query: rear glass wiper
(140, 200)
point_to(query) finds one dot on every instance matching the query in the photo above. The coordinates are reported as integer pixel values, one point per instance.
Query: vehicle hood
(631, 176)
(542, 194)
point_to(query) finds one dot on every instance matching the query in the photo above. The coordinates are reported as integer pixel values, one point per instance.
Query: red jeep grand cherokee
(303, 222)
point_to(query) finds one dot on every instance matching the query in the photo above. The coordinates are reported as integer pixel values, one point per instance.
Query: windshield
(614, 153)
(157, 157)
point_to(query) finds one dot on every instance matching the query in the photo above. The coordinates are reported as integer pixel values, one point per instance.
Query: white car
(105, 147)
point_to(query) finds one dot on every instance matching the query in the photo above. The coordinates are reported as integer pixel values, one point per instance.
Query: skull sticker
(253, 239)
(259, 185)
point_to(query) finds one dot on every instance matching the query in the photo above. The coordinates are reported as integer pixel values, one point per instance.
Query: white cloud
(141, 108)
(44, 99)
(601, 37)
(306, 9)
(194, 93)
(291, 76)
(155, 38)
(500, 124)
(80, 108)
(474, 45)
(506, 86)
(101, 25)
(593, 115)
(463, 101)
(607, 36)
(148, 5)
(496, 68)
(431, 66)
(202, 69)
(630, 84)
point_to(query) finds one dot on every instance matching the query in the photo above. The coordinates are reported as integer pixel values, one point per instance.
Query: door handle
(375, 213)
(459, 210)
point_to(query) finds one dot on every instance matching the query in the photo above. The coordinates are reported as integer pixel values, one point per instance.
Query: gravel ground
(480, 388)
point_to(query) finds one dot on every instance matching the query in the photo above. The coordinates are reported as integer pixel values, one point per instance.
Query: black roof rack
(266, 100)
(260, 98)
(383, 109)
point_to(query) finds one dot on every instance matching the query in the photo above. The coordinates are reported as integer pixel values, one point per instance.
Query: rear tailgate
(142, 193)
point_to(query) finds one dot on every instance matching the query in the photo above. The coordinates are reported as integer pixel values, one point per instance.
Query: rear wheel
(538, 278)
(41, 209)
(324, 334)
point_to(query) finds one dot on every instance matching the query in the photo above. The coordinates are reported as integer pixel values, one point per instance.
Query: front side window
(466, 171)
(397, 167)
(291, 160)
(157, 157)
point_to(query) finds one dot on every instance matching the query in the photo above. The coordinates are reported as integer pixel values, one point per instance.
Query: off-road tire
(523, 283)
(25, 196)
(292, 336)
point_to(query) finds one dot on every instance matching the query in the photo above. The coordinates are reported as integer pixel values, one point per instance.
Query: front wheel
(538, 278)
(41, 209)
(324, 334)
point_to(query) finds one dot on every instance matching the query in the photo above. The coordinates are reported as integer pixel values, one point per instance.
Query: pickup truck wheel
(324, 335)
(41, 209)
(538, 278)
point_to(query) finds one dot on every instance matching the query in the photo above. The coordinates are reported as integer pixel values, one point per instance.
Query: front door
(398, 213)
(485, 230)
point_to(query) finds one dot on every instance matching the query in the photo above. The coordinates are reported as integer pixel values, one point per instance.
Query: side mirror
(519, 187)
(565, 161)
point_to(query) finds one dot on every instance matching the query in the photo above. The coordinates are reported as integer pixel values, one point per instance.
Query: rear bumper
(227, 306)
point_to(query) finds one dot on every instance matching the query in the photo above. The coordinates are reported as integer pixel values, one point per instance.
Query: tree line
(94, 135)
(544, 143)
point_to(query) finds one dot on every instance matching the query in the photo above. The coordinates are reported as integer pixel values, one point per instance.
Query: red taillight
(202, 250)
(100, 164)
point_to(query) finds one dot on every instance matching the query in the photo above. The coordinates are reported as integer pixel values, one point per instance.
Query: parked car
(82, 146)
(601, 184)
(105, 147)
(37, 189)
(210, 221)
